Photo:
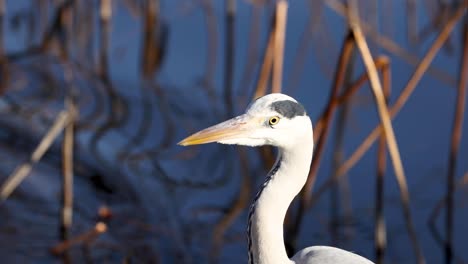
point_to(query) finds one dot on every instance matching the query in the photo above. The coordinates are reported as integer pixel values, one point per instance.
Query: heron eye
(274, 120)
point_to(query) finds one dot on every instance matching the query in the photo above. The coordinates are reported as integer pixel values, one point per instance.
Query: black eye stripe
(288, 109)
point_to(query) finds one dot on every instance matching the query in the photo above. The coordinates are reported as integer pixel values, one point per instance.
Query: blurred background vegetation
(95, 94)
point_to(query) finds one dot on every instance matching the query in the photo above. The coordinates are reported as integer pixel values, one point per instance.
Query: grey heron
(277, 120)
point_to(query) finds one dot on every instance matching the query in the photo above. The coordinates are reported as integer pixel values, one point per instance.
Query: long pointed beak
(236, 127)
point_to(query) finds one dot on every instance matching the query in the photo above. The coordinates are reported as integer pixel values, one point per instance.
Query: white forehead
(262, 104)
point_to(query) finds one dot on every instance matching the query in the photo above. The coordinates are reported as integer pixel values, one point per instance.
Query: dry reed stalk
(343, 62)
(67, 167)
(66, 24)
(435, 213)
(2, 17)
(380, 237)
(380, 233)
(66, 216)
(20, 173)
(431, 221)
(280, 32)
(342, 65)
(407, 91)
(340, 187)
(340, 196)
(380, 63)
(420, 70)
(391, 46)
(230, 55)
(455, 145)
(387, 125)
(86, 237)
(238, 206)
(426, 61)
(412, 23)
(344, 184)
(212, 43)
(265, 71)
(151, 51)
(252, 50)
(3, 60)
(105, 14)
(105, 10)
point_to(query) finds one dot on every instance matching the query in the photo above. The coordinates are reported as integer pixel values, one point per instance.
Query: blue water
(165, 208)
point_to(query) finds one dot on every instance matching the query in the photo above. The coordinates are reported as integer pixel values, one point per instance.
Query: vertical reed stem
(265, 70)
(252, 51)
(67, 168)
(280, 32)
(380, 232)
(67, 152)
(454, 146)
(105, 14)
(230, 55)
(342, 116)
(343, 62)
(3, 60)
(412, 23)
(386, 125)
(2, 16)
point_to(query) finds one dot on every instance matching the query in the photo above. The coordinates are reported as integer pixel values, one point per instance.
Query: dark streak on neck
(253, 206)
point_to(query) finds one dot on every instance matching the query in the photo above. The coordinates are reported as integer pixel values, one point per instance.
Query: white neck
(268, 211)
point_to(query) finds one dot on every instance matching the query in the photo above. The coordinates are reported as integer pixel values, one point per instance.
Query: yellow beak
(233, 128)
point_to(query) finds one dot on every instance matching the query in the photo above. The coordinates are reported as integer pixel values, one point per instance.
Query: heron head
(274, 119)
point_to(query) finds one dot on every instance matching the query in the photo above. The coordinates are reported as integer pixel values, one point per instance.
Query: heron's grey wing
(328, 255)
